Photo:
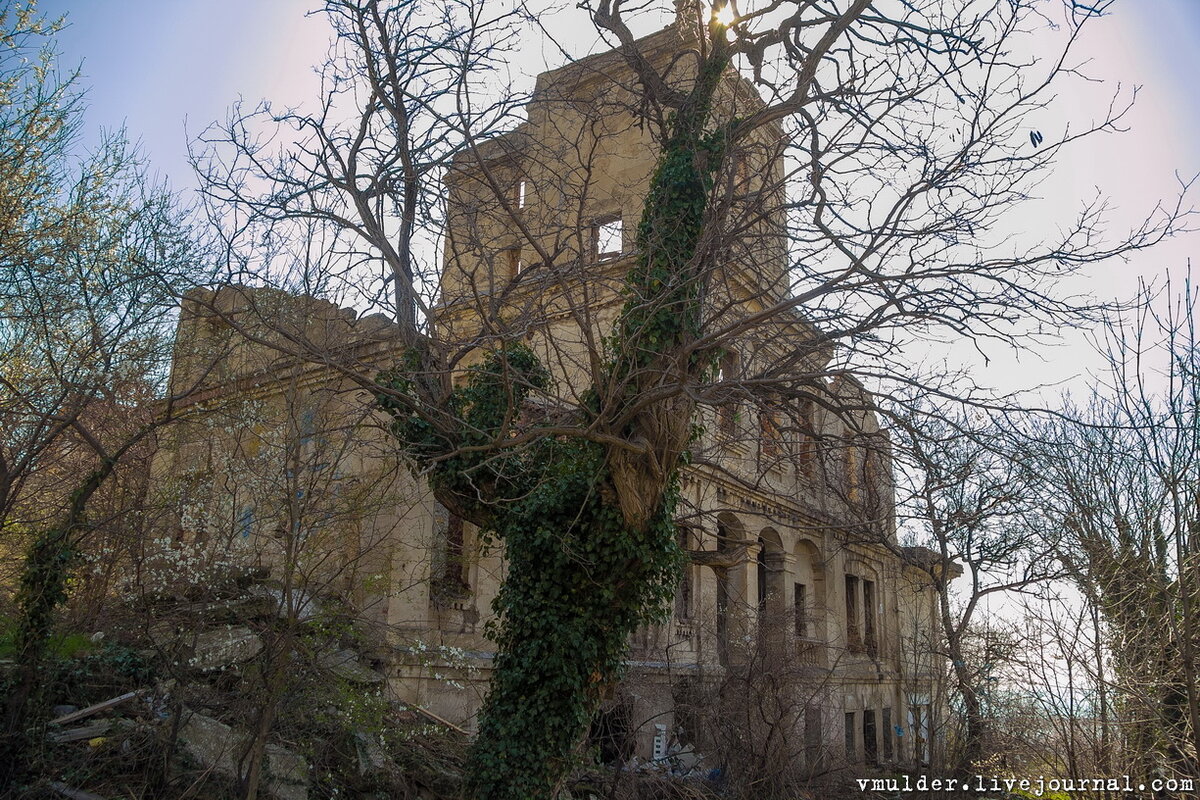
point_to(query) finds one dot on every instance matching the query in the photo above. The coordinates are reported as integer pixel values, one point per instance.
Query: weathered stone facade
(798, 571)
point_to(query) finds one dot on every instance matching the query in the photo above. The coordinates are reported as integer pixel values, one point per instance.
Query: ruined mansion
(797, 581)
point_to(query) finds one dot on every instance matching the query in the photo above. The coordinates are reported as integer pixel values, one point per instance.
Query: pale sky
(154, 65)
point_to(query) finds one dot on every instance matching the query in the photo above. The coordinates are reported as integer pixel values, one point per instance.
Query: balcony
(683, 631)
(812, 653)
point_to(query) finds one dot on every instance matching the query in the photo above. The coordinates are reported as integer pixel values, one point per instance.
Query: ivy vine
(581, 577)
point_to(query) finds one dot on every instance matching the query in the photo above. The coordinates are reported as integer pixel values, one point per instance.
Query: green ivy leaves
(580, 579)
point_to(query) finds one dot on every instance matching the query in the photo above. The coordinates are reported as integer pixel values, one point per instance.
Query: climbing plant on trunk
(588, 530)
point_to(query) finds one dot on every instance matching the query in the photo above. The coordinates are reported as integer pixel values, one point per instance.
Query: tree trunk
(43, 588)
(591, 545)
(579, 584)
(975, 725)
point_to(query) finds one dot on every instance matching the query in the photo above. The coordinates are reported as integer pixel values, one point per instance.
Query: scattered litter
(680, 761)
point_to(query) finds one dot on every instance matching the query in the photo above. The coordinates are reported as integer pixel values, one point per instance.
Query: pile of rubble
(201, 713)
(202, 742)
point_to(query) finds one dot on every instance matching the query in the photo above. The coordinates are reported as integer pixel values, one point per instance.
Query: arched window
(772, 573)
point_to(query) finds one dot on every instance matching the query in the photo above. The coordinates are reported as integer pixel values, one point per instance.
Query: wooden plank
(438, 719)
(75, 734)
(97, 708)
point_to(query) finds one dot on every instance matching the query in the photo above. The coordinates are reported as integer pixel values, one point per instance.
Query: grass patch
(62, 645)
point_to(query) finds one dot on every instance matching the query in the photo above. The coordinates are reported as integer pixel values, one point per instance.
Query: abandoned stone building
(798, 571)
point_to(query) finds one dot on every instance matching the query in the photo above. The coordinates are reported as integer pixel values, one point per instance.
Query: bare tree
(837, 200)
(91, 257)
(1061, 673)
(964, 496)
(1118, 478)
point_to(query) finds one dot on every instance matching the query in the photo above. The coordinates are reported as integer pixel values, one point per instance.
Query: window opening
(608, 239)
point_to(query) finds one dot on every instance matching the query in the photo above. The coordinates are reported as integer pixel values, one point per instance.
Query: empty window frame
(801, 607)
(853, 632)
(683, 593)
(513, 264)
(742, 170)
(744, 178)
(807, 449)
(607, 238)
(728, 371)
(751, 168)
(770, 423)
(871, 484)
(870, 638)
(451, 573)
(520, 194)
(851, 736)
